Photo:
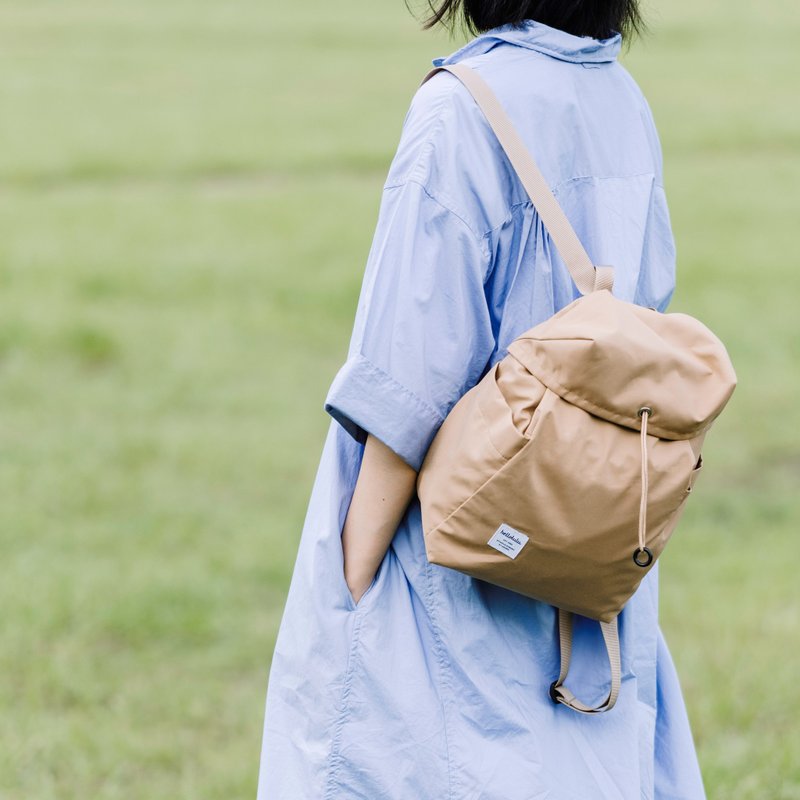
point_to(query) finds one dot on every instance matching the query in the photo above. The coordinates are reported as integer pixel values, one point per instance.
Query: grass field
(188, 191)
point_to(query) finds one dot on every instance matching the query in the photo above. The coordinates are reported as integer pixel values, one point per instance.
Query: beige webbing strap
(587, 277)
(559, 693)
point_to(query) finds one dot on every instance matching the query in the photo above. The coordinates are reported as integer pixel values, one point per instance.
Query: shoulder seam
(480, 239)
(436, 124)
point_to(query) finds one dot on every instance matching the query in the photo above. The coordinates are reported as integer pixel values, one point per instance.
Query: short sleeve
(423, 332)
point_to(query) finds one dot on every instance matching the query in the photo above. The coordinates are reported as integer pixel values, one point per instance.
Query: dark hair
(597, 18)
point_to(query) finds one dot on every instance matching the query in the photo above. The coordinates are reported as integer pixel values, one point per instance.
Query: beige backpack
(563, 472)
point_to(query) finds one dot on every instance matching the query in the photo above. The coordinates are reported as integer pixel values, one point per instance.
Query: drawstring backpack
(563, 472)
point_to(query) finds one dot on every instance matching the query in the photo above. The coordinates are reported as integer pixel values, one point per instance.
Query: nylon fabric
(608, 364)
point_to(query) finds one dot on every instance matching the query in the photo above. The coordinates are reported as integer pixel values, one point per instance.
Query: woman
(396, 679)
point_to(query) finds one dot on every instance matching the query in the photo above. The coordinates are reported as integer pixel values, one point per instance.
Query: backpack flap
(610, 358)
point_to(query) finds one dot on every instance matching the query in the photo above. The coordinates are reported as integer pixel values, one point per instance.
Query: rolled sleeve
(423, 330)
(363, 398)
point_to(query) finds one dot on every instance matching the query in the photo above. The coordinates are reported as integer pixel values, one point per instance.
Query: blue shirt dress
(434, 686)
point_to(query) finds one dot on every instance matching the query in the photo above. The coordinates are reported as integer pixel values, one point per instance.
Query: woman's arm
(383, 489)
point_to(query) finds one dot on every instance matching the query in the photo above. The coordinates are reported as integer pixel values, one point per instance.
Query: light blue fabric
(435, 685)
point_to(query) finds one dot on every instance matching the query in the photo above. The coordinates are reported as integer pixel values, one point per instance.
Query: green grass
(188, 192)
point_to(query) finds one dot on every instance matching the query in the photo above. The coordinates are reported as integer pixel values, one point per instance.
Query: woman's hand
(383, 489)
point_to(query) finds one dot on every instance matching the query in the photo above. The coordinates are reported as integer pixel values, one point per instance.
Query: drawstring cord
(643, 555)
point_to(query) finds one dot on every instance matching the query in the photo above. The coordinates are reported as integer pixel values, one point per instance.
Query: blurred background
(188, 192)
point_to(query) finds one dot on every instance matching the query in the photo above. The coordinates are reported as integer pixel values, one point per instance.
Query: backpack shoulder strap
(559, 693)
(587, 277)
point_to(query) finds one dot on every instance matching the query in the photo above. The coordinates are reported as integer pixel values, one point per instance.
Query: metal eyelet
(648, 553)
(642, 411)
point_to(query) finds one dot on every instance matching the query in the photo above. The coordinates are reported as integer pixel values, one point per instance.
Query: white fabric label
(508, 540)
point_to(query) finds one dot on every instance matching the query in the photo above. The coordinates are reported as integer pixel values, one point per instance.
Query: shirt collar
(538, 36)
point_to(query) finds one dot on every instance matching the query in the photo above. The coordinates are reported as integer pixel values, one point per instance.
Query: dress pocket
(351, 602)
